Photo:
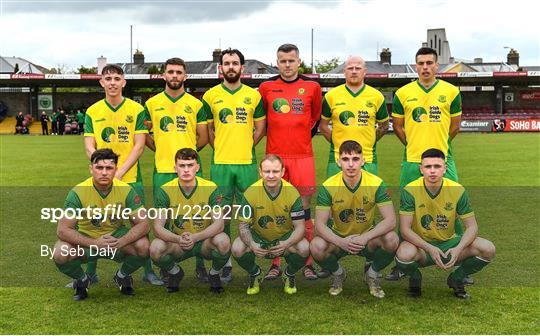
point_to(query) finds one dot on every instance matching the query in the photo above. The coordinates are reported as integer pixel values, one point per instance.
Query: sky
(68, 34)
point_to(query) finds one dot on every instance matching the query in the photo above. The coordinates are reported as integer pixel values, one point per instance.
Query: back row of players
(275, 211)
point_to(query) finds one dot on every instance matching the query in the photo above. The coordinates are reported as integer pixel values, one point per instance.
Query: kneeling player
(271, 225)
(349, 198)
(429, 209)
(105, 236)
(194, 206)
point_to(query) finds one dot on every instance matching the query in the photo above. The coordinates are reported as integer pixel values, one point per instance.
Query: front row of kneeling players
(272, 224)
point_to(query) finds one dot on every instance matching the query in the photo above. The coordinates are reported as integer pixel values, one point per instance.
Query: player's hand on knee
(352, 246)
(453, 254)
(436, 254)
(107, 241)
(279, 249)
(259, 252)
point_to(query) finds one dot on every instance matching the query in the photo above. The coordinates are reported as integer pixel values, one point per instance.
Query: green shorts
(234, 179)
(332, 168)
(194, 252)
(265, 243)
(444, 246)
(139, 189)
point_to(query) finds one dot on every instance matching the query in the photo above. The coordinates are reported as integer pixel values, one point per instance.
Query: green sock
(469, 266)
(91, 266)
(148, 266)
(294, 263)
(199, 262)
(330, 263)
(131, 264)
(166, 262)
(410, 268)
(247, 262)
(381, 259)
(72, 269)
(219, 260)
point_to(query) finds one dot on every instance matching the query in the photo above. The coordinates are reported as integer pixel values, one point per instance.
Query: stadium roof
(7, 65)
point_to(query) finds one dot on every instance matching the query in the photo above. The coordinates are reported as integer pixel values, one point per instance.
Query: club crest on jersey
(247, 100)
(301, 91)
(442, 99)
(129, 119)
(108, 134)
(448, 206)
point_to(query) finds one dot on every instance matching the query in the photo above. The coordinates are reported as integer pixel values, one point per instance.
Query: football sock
(166, 262)
(381, 259)
(247, 262)
(148, 266)
(199, 262)
(330, 263)
(91, 266)
(294, 263)
(72, 269)
(409, 268)
(131, 264)
(219, 260)
(469, 266)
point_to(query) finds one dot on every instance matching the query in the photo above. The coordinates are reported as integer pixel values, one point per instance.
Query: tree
(85, 70)
(154, 70)
(304, 69)
(327, 65)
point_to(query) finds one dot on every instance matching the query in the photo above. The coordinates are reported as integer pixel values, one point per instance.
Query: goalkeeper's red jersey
(292, 109)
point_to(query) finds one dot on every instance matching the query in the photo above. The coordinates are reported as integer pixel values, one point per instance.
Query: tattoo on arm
(245, 233)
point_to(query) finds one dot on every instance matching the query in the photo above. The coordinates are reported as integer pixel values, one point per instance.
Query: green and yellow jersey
(192, 212)
(115, 128)
(174, 122)
(435, 215)
(354, 116)
(352, 210)
(427, 114)
(233, 114)
(271, 217)
(85, 195)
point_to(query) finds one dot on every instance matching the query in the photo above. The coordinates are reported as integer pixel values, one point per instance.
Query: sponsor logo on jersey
(108, 134)
(160, 109)
(129, 119)
(264, 221)
(422, 205)
(166, 124)
(346, 215)
(225, 116)
(346, 118)
(218, 102)
(100, 120)
(278, 90)
(412, 100)
(442, 222)
(281, 105)
(419, 114)
(340, 103)
(425, 221)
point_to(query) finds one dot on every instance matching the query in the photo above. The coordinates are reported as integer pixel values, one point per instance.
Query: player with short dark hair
(236, 123)
(293, 108)
(195, 225)
(271, 224)
(106, 233)
(350, 198)
(429, 211)
(177, 120)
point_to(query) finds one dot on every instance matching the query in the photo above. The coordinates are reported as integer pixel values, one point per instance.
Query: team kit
(271, 200)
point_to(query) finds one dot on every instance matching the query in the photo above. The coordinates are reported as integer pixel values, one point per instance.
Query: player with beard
(236, 123)
(178, 121)
(293, 106)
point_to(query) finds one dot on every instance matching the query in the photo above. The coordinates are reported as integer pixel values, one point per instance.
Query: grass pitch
(501, 172)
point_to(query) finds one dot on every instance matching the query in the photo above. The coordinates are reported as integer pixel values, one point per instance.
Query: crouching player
(195, 228)
(430, 207)
(271, 225)
(350, 198)
(106, 236)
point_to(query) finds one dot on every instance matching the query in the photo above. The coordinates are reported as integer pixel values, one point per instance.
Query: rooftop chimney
(386, 56)
(216, 55)
(101, 63)
(513, 57)
(478, 60)
(138, 57)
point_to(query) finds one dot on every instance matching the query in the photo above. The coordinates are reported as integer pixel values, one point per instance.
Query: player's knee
(486, 248)
(391, 241)
(238, 248)
(222, 243)
(406, 251)
(317, 247)
(302, 248)
(59, 256)
(141, 247)
(157, 248)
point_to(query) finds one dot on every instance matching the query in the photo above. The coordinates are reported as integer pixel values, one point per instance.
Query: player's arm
(387, 224)
(149, 141)
(89, 140)
(211, 133)
(297, 215)
(455, 116)
(381, 118)
(382, 129)
(259, 118)
(398, 120)
(465, 212)
(159, 227)
(66, 231)
(213, 229)
(324, 127)
(323, 231)
(202, 136)
(139, 228)
(316, 106)
(134, 155)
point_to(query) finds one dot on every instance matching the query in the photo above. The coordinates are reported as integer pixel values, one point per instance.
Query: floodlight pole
(130, 49)
(312, 68)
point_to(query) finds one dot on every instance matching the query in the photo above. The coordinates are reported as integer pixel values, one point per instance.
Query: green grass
(501, 171)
